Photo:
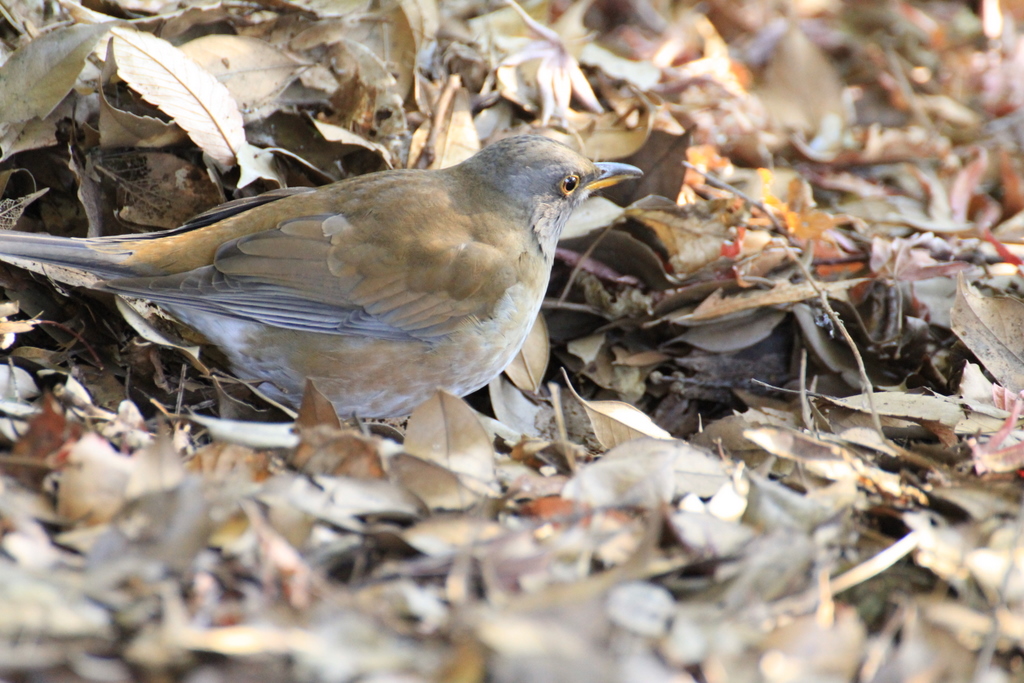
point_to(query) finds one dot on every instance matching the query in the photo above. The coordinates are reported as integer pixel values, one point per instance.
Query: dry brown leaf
(733, 334)
(333, 133)
(459, 141)
(512, 408)
(616, 422)
(343, 500)
(642, 74)
(596, 212)
(802, 88)
(941, 409)
(120, 128)
(253, 71)
(37, 77)
(529, 365)
(183, 90)
(808, 649)
(717, 305)
(992, 328)
(446, 431)
(438, 487)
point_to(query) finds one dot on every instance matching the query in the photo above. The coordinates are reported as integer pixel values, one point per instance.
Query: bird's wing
(327, 273)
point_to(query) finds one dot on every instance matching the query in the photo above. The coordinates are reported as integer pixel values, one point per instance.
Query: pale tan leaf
(253, 71)
(605, 136)
(459, 140)
(255, 163)
(16, 384)
(642, 479)
(253, 434)
(643, 74)
(342, 500)
(512, 408)
(596, 212)
(828, 460)
(183, 90)
(801, 86)
(446, 431)
(439, 488)
(942, 409)
(141, 315)
(587, 348)
(93, 483)
(694, 469)
(616, 422)
(529, 365)
(157, 468)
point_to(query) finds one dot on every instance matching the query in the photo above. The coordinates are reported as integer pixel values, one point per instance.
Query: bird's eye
(570, 183)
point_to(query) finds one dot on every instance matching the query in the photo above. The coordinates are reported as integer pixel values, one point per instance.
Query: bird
(380, 289)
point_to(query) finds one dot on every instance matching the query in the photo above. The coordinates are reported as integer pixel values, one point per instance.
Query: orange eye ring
(569, 184)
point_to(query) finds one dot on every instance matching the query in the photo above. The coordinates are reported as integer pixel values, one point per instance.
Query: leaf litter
(767, 427)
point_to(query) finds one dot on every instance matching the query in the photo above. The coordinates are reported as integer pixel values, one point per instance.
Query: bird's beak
(612, 174)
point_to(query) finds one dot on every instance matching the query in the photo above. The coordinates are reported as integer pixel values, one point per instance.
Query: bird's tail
(79, 262)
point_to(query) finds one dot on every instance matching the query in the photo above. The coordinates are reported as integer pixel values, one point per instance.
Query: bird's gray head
(545, 178)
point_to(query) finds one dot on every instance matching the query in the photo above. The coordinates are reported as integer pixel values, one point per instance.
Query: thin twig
(876, 564)
(805, 404)
(78, 337)
(862, 370)
(865, 381)
(579, 264)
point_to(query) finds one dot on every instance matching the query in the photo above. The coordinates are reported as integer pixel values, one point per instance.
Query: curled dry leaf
(333, 133)
(119, 128)
(616, 422)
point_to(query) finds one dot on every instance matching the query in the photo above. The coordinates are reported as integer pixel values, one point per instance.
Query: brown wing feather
(359, 273)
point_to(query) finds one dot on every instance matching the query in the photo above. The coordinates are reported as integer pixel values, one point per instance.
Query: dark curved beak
(612, 174)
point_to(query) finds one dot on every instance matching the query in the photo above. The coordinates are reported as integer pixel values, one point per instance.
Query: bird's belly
(366, 376)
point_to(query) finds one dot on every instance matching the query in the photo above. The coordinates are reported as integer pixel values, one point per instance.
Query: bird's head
(543, 179)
